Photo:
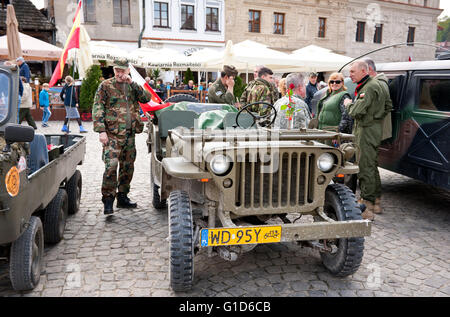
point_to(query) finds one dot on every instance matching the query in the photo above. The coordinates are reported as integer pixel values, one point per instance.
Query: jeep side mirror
(17, 133)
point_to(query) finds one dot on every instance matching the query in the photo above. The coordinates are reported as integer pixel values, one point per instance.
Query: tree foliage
(89, 87)
(443, 33)
(239, 87)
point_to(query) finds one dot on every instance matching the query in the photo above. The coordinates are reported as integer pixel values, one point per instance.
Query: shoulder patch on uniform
(219, 93)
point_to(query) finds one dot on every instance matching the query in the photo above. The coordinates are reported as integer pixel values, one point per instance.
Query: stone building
(31, 21)
(349, 27)
(116, 21)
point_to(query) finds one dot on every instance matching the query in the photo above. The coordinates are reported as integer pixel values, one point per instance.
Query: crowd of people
(362, 114)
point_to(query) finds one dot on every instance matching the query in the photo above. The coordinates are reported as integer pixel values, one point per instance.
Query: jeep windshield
(5, 88)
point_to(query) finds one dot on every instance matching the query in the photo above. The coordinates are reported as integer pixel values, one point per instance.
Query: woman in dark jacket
(70, 98)
(332, 112)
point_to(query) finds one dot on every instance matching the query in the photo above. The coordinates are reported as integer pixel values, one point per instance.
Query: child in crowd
(44, 101)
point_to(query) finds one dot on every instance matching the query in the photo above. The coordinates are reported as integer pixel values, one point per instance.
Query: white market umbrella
(32, 49)
(161, 58)
(109, 52)
(319, 59)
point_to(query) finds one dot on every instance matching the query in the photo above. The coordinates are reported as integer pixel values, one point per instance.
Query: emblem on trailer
(12, 181)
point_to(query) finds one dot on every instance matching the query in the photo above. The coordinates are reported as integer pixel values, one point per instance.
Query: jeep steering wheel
(262, 121)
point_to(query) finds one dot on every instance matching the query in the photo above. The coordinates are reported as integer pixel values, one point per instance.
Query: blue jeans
(46, 115)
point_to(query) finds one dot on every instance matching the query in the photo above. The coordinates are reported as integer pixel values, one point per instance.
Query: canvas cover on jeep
(207, 116)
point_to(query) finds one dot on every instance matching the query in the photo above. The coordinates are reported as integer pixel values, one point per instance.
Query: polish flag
(156, 103)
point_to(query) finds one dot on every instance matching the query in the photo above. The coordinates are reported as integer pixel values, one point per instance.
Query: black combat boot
(108, 202)
(124, 202)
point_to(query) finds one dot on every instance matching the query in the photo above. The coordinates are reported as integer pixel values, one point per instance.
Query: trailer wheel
(73, 188)
(26, 257)
(55, 217)
(341, 205)
(181, 241)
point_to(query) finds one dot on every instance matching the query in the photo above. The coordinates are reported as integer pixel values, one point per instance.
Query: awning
(32, 49)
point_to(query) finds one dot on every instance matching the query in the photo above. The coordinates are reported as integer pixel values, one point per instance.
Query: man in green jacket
(222, 90)
(368, 111)
(387, 121)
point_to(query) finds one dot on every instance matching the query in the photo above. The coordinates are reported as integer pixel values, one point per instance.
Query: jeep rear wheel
(181, 241)
(341, 205)
(26, 257)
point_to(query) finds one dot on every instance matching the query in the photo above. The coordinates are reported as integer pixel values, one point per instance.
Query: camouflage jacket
(260, 90)
(301, 114)
(114, 111)
(218, 93)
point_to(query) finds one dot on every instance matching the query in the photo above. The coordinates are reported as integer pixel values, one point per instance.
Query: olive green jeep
(231, 182)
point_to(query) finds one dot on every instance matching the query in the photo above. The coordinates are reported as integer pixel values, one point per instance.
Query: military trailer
(40, 186)
(420, 142)
(230, 182)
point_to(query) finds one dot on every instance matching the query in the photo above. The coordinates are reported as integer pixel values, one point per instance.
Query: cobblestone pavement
(127, 254)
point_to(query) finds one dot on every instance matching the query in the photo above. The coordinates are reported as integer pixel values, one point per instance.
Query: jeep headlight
(220, 164)
(326, 162)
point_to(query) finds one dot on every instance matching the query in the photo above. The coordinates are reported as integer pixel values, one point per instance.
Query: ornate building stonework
(349, 27)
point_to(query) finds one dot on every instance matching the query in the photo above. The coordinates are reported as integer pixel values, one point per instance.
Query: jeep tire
(180, 98)
(157, 203)
(26, 257)
(73, 188)
(55, 217)
(341, 205)
(181, 241)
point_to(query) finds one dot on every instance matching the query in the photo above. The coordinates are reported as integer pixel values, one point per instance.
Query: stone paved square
(127, 254)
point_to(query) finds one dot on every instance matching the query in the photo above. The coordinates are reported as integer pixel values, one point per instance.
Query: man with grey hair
(387, 121)
(301, 115)
(368, 111)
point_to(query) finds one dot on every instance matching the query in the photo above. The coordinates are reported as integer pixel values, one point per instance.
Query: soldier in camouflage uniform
(222, 90)
(117, 120)
(261, 89)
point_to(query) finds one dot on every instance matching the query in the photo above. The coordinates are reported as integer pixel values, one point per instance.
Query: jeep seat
(169, 120)
(38, 153)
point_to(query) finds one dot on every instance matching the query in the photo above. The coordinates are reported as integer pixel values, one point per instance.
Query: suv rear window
(434, 94)
(4, 96)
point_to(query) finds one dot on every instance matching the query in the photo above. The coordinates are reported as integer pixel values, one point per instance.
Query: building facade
(349, 27)
(184, 25)
(115, 21)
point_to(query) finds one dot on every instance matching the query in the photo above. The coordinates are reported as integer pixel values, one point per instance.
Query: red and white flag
(156, 103)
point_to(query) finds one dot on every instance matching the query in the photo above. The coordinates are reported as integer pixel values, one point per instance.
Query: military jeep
(39, 187)
(231, 181)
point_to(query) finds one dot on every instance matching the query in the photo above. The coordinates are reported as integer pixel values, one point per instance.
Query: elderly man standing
(368, 110)
(302, 116)
(116, 119)
(24, 69)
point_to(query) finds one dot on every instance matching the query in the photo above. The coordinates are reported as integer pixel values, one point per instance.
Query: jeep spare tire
(181, 98)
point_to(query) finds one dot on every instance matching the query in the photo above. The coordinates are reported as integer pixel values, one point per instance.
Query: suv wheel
(341, 205)
(55, 217)
(26, 257)
(181, 240)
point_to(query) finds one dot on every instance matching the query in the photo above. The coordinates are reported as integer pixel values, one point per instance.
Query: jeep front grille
(287, 186)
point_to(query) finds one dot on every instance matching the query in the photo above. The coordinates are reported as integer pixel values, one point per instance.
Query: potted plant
(88, 89)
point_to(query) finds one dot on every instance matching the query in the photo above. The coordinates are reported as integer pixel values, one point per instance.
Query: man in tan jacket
(26, 104)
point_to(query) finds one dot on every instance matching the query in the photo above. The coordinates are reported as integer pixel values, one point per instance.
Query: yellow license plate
(236, 236)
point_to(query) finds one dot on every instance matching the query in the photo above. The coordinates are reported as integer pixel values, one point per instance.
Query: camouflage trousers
(119, 153)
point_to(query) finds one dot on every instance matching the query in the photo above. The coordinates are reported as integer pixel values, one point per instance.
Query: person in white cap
(24, 69)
